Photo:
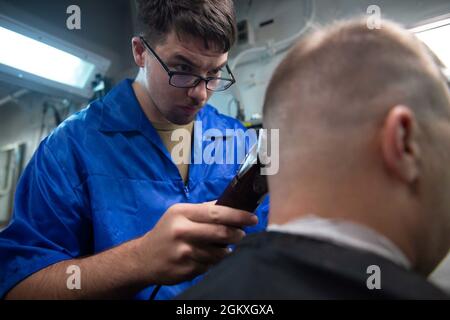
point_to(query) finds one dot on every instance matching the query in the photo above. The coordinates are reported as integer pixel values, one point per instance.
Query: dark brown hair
(214, 21)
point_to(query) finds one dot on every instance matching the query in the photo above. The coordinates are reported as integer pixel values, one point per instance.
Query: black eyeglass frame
(172, 73)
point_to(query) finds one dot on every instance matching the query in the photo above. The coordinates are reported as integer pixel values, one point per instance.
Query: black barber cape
(273, 265)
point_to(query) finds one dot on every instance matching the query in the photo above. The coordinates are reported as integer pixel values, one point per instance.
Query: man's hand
(189, 239)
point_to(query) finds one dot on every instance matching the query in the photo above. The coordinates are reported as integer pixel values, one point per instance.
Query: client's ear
(400, 148)
(138, 51)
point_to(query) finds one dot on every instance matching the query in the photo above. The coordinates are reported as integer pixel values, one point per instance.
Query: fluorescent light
(436, 36)
(38, 58)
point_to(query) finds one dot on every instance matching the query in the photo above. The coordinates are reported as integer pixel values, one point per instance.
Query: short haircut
(214, 21)
(346, 73)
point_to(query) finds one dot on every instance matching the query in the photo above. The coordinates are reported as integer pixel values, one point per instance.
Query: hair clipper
(249, 186)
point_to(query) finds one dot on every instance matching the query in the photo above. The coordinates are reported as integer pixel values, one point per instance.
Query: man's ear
(399, 144)
(138, 51)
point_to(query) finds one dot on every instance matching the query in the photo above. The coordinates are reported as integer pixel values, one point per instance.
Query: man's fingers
(211, 213)
(207, 233)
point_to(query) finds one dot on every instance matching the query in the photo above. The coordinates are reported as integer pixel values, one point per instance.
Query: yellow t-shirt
(165, 132)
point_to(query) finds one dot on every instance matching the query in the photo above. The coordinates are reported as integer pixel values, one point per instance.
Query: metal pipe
(13, 96)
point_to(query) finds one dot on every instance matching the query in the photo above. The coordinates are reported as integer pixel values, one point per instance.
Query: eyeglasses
(182, 79)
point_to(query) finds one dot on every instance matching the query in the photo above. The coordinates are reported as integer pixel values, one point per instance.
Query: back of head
(330, 98)
(213, 21)
(346, 74)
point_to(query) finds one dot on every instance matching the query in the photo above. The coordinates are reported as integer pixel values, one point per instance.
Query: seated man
(360, 205)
